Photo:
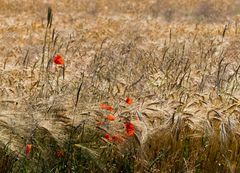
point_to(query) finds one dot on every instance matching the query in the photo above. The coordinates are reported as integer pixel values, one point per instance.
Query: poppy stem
(63, 71)
(79, 89)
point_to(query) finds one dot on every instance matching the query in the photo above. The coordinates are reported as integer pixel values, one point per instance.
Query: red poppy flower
(58, 60)
(111, 117)
(108, 137)
(130, 128)
(107, 107)
(129, 101)
(28, 149)
(60, 153)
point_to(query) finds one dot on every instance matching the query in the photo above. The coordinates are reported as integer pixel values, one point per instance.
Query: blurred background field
(177, 60)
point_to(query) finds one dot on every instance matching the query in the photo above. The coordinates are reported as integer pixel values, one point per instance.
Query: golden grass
(183, 77)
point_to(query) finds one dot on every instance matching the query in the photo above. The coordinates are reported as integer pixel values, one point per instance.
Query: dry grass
(180, 67)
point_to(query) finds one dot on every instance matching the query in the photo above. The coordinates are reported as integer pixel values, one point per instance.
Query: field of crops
(128, 86)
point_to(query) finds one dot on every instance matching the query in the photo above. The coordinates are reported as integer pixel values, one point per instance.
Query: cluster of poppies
(128, 125)
(130, 129)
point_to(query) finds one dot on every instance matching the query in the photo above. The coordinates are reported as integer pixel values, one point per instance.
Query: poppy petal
(111, 117)
(106, 107)
(129, 100)
(130, 128)
(58, 60)
(28, 149)
(108, 137)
